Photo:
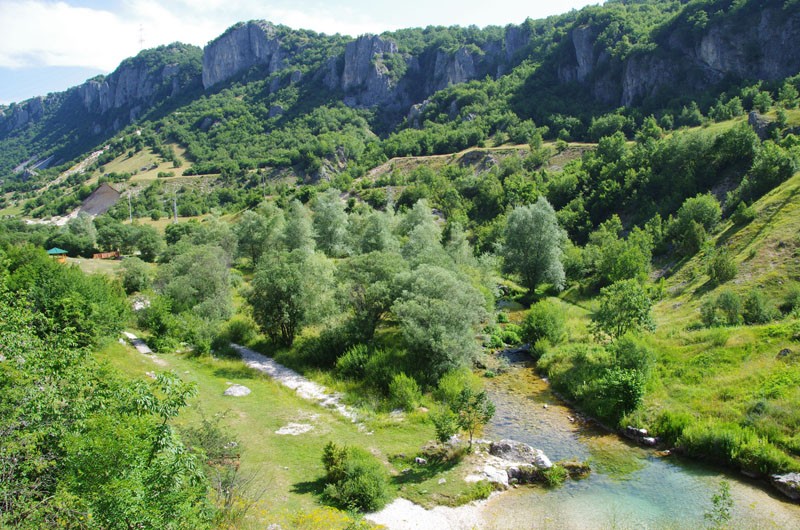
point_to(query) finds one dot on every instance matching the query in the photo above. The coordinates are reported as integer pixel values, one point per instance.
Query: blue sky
(50, 45)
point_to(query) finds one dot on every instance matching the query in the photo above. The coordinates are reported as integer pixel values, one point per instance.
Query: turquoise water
(630, 487)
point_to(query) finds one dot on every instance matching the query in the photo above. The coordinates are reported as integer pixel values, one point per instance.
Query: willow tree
(533, 245)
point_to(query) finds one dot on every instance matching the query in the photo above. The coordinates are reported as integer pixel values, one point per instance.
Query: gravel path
(138, 343)
(402, 514)
(287, 377)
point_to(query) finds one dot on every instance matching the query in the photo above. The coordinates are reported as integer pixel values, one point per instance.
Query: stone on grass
(237, 391)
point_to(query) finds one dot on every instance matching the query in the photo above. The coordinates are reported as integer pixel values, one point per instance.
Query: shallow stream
(629, 487)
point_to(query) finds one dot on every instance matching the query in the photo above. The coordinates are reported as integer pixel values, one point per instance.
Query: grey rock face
(788, 484)
(362, 73)
(241, 48)
(520, 453)
(451, 69)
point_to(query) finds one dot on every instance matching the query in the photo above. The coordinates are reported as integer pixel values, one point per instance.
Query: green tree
(253, 234)
(149, 242)
(135, 275)
(473, 410)
(371, 286)
(299, 231)
(288, 291)
(438, 314)
(624, 306)
(331, 226)
(544, 321)
(198, 280)
(533, 245)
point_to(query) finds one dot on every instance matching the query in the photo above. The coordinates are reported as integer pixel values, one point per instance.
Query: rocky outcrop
(735, 47)
(136, 85)
(520, 453)
(239, 49)
(365, 76)
(19, 115)
(788, 484)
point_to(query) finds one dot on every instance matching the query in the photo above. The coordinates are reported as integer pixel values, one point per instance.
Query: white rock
(237, 391)
(295, 429)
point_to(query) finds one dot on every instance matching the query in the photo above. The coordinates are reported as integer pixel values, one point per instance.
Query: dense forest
(389, 237)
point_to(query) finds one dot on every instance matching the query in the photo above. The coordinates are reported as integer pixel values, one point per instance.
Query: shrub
(445, 422)
(511, 334)
(404, 392)
(545, 320)
(476, 491)
(791, 304)
(451, 384)
(670, 425)
(721, 267)
(380, 369)
(353, 363)
(631, 354)
(743, 214)
(240, 330)
(620, 391)
(135, 275)
(730, 304)
(554, 476)
(758, 309)
(355, 479)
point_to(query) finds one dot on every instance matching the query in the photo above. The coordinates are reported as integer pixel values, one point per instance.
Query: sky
(48, 45)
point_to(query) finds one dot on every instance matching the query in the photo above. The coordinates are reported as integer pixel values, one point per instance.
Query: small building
(114, 254)
(58, 254)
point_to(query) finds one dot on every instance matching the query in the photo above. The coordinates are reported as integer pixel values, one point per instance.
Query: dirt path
(287, 377)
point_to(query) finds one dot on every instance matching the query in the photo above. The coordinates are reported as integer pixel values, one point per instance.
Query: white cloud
(45, 33)
(55, 33)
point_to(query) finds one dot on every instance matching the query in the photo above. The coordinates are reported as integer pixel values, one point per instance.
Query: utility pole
(130, 209)
(174, 208)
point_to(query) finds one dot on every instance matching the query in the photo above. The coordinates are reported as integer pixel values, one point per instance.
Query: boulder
(237, 391)
(519, 453)
(524, 474)
(788, 484)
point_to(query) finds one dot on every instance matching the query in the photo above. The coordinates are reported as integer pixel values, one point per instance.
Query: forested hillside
(612, 192)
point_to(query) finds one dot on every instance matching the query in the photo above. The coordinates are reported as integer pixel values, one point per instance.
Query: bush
(731, 306)
(476, 491)
(620, 391)
(511, 334)
(731, 444)
(353, 363)
(758, 309)
(135, 275)
(721, 267)
(791, 304)
(545, 320)
(240, 330)
(381, 369)
(631, 354)
(445, 422)
(355, 479)
(554, 476)
(404, 392)
(670, 425)
(743, 214)
(451, 384)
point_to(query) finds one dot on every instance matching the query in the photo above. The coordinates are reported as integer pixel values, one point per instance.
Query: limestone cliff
(736, 47)
(243, 46)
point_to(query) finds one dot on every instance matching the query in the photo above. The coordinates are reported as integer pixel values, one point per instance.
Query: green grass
(289, 467)
(729, 374)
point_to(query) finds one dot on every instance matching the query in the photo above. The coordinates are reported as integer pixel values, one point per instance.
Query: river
(629, 487)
